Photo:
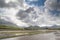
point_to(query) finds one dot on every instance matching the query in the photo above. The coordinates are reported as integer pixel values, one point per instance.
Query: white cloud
(9, 15)
(29, 15)
(39, 16)
(52, 4)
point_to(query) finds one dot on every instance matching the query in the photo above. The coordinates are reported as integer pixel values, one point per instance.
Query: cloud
(38, 16)
(20, 4)
(4, 4)
(11, 20)
(9, 15)
(32, 16)
(9, 9)
(26, 15)
(53, 4)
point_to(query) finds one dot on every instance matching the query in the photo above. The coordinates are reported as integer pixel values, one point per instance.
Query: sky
(30, 12)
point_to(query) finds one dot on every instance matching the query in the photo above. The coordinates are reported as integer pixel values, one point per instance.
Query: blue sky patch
(55, 13)
(37, 3)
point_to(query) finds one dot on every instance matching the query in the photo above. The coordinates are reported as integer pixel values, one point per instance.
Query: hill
(4, 27)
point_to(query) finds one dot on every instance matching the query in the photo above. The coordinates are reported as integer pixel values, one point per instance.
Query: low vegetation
(17, 31)
(4, 27)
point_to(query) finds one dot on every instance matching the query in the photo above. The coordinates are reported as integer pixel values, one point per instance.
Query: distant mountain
(32, 28)
(55, 26)
(3, 22)
(52, 26)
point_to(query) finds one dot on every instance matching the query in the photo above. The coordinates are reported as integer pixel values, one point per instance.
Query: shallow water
(47, 36)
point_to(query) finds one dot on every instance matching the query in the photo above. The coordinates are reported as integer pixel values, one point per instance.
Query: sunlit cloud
(22, 14)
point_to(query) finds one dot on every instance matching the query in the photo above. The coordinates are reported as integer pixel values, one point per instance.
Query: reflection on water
(48, 36)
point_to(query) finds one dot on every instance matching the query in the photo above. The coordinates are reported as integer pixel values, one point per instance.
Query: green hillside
(9, 27)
